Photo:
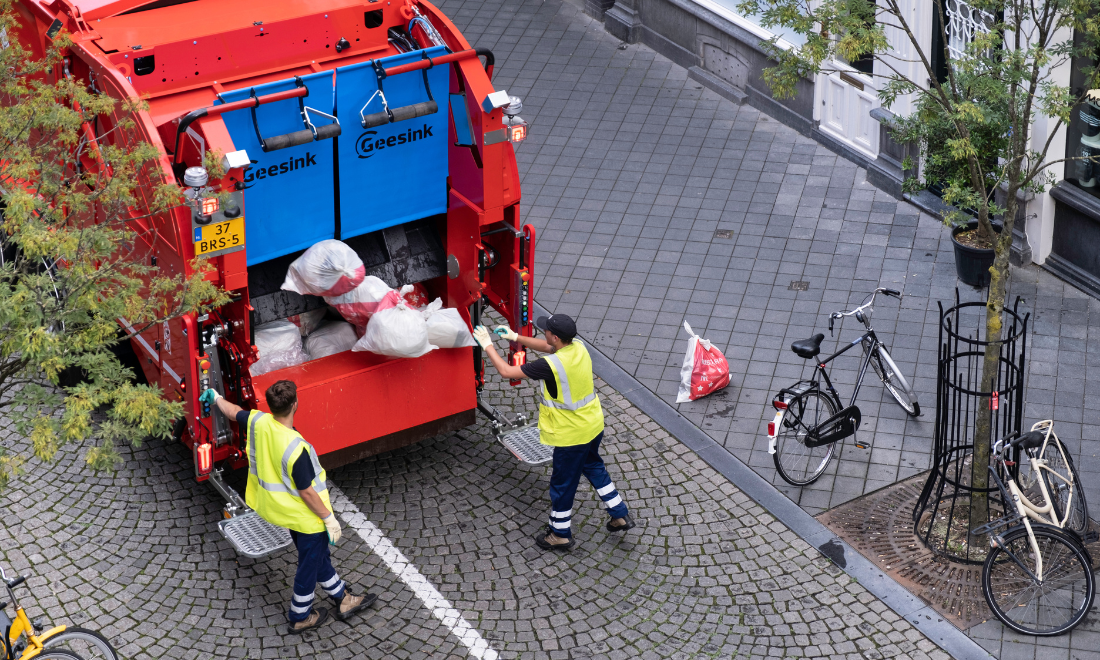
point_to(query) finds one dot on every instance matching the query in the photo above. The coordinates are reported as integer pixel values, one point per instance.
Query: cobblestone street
(656, 201)
(707, 574)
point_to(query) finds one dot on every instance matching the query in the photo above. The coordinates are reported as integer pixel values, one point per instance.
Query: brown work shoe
(352, 604)
(620, 524)
(554, 542)
(314, 620)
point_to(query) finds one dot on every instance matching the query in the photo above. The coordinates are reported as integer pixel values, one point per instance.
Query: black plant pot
(972, 264)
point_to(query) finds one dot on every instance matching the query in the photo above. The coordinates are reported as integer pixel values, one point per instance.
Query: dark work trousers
(569, 464)
(314, 567)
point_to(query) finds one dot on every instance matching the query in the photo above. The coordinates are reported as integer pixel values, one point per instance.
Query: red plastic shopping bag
(705, 369)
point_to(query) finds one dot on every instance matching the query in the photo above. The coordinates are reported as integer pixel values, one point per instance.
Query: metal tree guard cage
(941, 516)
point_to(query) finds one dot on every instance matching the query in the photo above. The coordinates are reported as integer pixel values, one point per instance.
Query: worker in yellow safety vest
(287, 486)
(570, 421)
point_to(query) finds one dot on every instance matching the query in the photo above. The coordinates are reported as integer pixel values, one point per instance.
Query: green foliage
(973, 130)
(79, 197)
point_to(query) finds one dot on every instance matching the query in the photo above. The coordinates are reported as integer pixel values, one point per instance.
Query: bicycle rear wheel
(894, 382)
(1044, 608)
(1078, 519)
(798, 464)
(87, 644)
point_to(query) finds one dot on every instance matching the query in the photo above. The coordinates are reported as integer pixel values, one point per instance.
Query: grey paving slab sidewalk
(707, 574)
(630, 170)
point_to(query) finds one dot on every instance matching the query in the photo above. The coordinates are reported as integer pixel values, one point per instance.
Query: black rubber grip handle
(277, 142)
(401, 114)
(892, 292)
(16, 582)
(328, 131)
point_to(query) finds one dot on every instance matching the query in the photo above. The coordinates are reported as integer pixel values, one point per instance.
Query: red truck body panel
(180, 57)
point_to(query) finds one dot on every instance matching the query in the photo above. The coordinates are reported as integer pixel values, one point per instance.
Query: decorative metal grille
(963, 24)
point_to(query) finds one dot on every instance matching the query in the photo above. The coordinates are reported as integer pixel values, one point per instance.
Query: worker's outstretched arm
(228, 409)
(485, 340)
(536, 343)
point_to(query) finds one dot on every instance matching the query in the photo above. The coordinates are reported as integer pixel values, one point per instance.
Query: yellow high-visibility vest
(272, 449)
(574, 416)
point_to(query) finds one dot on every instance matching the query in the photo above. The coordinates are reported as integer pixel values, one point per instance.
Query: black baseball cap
(559, 324)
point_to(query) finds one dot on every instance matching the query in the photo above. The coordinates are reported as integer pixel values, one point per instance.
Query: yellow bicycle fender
(38, 644)
(56, 630)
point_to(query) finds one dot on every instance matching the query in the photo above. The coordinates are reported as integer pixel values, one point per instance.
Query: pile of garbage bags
(396, 323)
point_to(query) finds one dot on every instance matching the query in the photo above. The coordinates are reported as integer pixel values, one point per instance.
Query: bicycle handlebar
(886, 292)
(16, 582)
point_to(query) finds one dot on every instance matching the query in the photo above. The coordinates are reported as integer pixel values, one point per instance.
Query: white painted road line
(404, 569)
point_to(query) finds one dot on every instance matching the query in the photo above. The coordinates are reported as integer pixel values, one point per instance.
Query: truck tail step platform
(524, 444)
(252, 536)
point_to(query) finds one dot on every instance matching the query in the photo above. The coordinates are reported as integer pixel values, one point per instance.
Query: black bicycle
(809, 419)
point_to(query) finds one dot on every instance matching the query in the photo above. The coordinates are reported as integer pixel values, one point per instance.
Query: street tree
(973, 124)
(77, 191)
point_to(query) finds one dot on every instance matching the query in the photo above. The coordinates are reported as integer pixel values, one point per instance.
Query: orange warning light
(209, 205)
(519, 133)
(204, 454)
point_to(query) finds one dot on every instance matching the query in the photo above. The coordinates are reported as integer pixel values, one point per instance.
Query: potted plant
(973, 253)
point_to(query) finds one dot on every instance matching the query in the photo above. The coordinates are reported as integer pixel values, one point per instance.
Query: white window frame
(743, 22)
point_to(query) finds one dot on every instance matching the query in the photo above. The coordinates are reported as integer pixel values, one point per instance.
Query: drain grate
(723, 233)
(524, 445)
(799, 285)
(252, 536)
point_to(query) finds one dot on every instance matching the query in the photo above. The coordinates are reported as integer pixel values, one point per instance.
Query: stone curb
(898, 598)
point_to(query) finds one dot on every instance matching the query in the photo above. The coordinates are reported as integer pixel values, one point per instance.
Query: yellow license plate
(226, 235)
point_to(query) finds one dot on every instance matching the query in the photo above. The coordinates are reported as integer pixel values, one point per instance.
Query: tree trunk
(983, 423)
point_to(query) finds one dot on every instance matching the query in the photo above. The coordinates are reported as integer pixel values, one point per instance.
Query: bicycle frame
(820, 368)
(22, 625)
(1015, 496)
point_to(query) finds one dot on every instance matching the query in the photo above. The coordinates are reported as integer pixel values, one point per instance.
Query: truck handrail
(214, 110)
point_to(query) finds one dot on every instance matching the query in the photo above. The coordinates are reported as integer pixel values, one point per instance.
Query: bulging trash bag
(331, 338)
(307, 322)
(397, 332)
(328, 268)
(280, 346)
(446, 329)
(364, 301)
(704, 371)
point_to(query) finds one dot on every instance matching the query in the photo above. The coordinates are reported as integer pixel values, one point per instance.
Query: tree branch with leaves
(80, 200)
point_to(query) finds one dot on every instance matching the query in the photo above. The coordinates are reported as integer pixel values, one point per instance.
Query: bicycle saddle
(808, 348)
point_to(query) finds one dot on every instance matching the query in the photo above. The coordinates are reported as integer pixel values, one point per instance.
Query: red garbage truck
(369, 121)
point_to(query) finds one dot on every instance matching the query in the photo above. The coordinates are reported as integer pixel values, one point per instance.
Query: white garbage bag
(307, 322)
(280, 346)
(397, 332)
(328, 268)
(331, 338)
(364, 301)
(446, 329)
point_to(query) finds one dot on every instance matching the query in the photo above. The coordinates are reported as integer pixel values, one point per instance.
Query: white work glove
(332, 526)
(482, 336)
(210, 396)
(507, 333)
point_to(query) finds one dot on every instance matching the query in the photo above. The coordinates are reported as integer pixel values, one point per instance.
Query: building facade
(1059, 229)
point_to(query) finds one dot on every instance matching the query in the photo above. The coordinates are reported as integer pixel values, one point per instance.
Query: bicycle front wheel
(798, 464)
(1051, 606)
(87, 644)
(57, 654)
(894, 382)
